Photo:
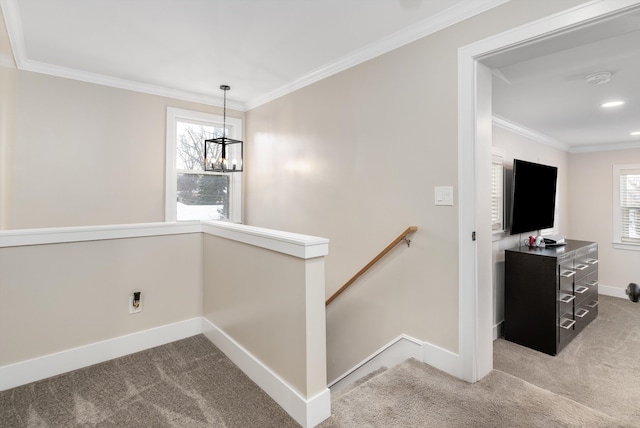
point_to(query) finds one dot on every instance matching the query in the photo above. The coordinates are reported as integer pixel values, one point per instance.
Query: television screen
(533, 196)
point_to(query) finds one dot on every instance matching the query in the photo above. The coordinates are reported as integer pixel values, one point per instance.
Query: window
(626, 206)
(192, 193)
(497, 192)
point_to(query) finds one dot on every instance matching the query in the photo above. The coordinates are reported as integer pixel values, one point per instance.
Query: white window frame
(234, 125)
(497, 158)
(618, 242)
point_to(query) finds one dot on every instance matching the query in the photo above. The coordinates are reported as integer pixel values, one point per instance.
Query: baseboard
(307, 412)
(35, 369)
(393, 353)
(612, 291)
(442, 359)
(497, 330)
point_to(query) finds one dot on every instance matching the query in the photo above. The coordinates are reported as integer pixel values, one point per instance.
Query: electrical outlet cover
(133, 310)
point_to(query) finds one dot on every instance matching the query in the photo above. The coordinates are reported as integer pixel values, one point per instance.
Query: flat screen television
(533, 196)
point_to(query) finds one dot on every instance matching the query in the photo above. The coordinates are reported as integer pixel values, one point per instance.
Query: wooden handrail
(402, 237)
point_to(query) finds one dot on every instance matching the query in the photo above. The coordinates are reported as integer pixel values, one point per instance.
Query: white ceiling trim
(429, 26)
(587, 148)
(529, 133)
(556, 144)
(115, 82)
(437, 22)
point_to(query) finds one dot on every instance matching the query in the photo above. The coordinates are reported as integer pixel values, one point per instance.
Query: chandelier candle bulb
(223, 148)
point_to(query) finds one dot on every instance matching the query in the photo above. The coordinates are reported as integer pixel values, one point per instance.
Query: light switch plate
(443, 195)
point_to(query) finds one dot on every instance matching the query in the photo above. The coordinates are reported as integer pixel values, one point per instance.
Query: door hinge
(473, 235)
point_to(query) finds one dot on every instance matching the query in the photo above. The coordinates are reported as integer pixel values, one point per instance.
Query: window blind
(630, 205)
(497, 178)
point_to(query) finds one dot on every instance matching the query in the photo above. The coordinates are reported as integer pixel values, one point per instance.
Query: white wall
(355, 158)
(515, 146)
(591, 199)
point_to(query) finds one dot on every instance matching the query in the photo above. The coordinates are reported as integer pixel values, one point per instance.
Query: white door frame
(474, 109)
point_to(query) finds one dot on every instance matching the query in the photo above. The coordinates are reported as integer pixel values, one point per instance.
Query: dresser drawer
(586, 288)
(565, 278)
(566, 329)
(565, 302)
(584, 314)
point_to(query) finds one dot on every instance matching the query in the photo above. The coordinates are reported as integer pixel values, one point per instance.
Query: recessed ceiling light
(634, 133)
(612, 104)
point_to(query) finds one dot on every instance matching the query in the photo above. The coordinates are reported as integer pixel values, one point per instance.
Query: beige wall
(7, 132)
(7, 117)
(62, 296)
(515, 146)
(272, 305)
(355, 158)
(591, 199)
(86, 154)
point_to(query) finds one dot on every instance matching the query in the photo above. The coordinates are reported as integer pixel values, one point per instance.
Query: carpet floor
(593, 382)
(600, 368)
(188, 383)
(414, 394)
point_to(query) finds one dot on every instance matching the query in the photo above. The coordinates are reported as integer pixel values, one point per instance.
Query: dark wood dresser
(551, 294)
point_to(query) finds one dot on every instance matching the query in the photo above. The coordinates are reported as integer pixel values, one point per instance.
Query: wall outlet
(135, 303)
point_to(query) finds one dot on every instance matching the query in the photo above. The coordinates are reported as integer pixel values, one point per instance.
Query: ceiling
(264, 49)
(542, 86)
(188, 48)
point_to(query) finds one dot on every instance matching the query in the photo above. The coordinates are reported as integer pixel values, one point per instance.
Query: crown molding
(587, 148)
(545, 139)
(130, 85)
(13, 23)
(442, 20)
(410, 34)
(529, 133)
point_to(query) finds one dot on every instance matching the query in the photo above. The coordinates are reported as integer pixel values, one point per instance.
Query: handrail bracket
(402, 237)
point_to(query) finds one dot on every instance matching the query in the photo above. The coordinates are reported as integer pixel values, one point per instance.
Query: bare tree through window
(200, 195)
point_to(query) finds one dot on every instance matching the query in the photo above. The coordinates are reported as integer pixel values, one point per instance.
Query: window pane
(190, 144)
(630, 205)
(202, 197)
(497, 172)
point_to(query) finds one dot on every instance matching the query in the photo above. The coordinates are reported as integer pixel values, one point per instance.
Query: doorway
(474, 160)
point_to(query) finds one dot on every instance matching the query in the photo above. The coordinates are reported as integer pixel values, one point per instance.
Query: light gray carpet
(189, 383)
(414, 394)
(600, 368)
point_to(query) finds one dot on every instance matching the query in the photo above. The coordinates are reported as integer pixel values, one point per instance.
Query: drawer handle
(581, 312)
(593, 283)
(567, 298)
(567, 324)
(592, 304)
(581, 289)
(581, 266)
(592, 261)
(567, 273)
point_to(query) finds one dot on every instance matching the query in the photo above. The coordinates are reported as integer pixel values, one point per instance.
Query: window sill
(626, 246)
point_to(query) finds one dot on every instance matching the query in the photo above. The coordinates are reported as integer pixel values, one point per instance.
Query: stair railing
(402, 237)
